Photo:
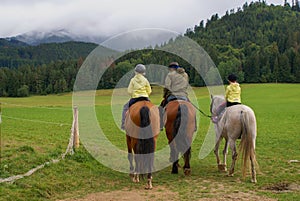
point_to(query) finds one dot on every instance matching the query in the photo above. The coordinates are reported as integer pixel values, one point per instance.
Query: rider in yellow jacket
(139, 86)
(139, 89)
(233, 91)
(232, 96)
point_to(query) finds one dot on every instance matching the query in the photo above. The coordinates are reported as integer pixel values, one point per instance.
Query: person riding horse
(178, 116)
(232, 96)
(176, 84)
(139, 89)
(141, 124)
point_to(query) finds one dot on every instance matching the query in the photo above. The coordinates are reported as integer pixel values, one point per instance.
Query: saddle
(165, 102)
(177, 98)
(138, 100)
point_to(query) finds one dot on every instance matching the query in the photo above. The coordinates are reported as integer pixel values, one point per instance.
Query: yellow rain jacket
(139, 86)
(233, 93)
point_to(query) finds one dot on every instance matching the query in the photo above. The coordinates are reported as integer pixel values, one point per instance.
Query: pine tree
(286, 3)
(297, 5)
(275, 72)
(297, 68)
(284, 69)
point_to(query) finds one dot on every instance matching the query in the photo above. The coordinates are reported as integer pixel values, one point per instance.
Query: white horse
(235, 122)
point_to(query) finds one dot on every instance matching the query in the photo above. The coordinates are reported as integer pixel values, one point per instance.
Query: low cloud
(107, 17)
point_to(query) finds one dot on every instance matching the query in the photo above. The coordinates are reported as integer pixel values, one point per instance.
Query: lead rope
(203, 113)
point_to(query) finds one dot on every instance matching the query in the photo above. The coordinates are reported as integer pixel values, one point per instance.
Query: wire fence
(73, 140)
(38, 107)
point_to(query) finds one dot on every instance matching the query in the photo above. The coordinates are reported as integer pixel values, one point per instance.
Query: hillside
(11, 43)
(15, 54)
(258, 42)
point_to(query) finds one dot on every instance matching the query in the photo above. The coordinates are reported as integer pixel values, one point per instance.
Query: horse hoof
(148, 188)
(222, 168)
(135, 180)
(230, 175)
(253, 181)
(187, 171)
(174, 170)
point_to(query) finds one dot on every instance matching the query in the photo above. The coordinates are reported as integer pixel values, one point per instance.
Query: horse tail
(145, 143)
(247, 145)
(180, 128)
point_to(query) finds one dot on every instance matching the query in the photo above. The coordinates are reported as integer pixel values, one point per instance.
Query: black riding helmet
(232, 78)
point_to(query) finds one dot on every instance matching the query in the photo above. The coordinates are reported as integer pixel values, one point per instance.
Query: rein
(203, 113)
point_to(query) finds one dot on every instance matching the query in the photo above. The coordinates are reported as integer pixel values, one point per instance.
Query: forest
(258, 42)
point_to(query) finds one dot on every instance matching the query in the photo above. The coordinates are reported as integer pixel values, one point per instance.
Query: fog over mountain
(56, 36)
(35, 22)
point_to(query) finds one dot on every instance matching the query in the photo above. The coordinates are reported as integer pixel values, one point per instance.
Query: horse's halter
(218, 108)
(211, 107)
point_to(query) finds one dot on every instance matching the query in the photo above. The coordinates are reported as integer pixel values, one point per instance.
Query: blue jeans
(172, 97)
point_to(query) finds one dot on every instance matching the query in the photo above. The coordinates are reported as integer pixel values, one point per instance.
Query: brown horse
(142, 129)
(180, 124)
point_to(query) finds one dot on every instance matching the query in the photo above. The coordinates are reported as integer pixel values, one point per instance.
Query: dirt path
(163, 194)
(159, 193)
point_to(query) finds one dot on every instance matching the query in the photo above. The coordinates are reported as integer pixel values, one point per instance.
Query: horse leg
(225, 152)
(130, 156)
(187, 167)
(149, 182)
(137, 159)
(174, 158)
(136, 178)
(253, 179)
(175, 167)
(234, 157)
(216, 151)
(131, 168)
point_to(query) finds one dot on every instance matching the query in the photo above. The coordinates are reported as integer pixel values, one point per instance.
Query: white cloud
(107, 17)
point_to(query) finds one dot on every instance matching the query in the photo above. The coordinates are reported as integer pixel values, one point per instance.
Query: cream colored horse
(235, 122)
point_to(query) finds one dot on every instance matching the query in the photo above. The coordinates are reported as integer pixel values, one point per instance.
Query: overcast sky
(108, 17)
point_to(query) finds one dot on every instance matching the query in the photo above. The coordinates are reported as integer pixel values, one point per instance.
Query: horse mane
(219, 97)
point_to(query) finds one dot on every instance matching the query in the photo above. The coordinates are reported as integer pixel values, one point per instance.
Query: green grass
(26, 144)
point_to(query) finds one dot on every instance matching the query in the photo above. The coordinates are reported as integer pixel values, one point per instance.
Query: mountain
(56, 36)
(8, 42)
(15, 53)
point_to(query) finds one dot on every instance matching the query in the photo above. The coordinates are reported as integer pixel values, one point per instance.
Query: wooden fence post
(75, 128)
(0, 112)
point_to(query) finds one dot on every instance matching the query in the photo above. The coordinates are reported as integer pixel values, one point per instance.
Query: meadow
(36, 129)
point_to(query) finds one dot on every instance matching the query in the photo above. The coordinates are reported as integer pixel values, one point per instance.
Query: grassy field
(36, 129)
